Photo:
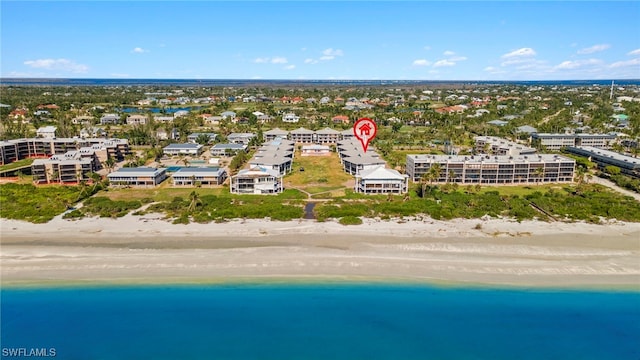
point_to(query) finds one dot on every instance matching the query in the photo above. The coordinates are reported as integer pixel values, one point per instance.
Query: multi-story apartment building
(628, 165)
(191, 176)
(499, 169)
(302, 135)
(70, 167)
(327, 136)
(140, 176)
(17, 149)
(556, 142)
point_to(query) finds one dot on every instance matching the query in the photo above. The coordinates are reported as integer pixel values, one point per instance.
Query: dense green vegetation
(588, 203)
(105, 207)
(35, 204)
(207, 208)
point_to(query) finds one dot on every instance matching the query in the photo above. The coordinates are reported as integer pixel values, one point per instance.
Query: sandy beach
(489, 252)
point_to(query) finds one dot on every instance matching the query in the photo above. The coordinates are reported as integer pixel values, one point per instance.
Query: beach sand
(492, 252)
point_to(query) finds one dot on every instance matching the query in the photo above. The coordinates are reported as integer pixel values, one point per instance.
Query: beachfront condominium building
(139, 176)
(17, 149)
(276, 155)
(256, 180)
(628, 165)
(353, 158)
(380, 180)
(69, 168)
(496, 170)
(555, 142)
(204, 176)
(498, 146)
(302, 135)
(327, 136)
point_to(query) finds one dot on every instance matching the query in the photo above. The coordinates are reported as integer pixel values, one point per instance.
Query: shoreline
(149, 251)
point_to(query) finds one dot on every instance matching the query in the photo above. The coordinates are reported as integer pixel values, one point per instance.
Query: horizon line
(302, 80)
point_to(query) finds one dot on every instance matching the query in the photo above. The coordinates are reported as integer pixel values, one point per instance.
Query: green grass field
(321, 174)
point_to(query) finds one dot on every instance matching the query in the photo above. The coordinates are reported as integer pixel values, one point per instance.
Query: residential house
(340, 119)
(136, 119)
(192, 138)
(381, 180)
(256, 180)
(240, 138)
(92, 132)
(183, 149)
(47, 132)
(109, 119)
(227, 149)
(315, 150)
(290, 118)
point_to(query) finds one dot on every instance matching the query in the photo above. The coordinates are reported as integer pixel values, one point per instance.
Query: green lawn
(321, 173)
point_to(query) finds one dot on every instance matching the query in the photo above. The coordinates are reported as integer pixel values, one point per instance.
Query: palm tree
(194, 201)
(110, 163)
(433, 173)
(538, 172)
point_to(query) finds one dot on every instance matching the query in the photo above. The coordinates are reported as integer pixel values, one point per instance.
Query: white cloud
(327, 57)
(332, 52)
(310, 61)
(457, 58)
(427, 47)
(421, 62)
(634, 52)
(626, 63)
(290, 67)
(523, 52)
(274, 60)
(58, 64)
(594, 48)
(565, 65)
(449, 53)
(279, 60)
(441, 63)
(139, 50)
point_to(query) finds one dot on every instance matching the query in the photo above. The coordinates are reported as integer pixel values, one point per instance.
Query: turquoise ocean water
(321, 322)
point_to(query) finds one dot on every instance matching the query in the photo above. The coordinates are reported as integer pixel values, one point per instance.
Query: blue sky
(421, 40)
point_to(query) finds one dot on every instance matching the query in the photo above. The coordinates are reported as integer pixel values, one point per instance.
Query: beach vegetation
(105, 207)
(38, 204)
(350, 220)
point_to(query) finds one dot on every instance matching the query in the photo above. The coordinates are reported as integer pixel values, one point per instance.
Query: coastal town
(188, 137)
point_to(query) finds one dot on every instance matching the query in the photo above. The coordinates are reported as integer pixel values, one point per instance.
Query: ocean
(331, 321)
(293, 82)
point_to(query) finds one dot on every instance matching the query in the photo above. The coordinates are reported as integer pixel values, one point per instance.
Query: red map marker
(365, 130)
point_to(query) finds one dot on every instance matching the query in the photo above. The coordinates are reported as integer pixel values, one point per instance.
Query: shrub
(350, 220)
